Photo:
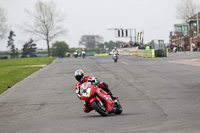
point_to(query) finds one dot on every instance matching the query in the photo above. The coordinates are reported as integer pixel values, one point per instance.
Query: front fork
(108, 102)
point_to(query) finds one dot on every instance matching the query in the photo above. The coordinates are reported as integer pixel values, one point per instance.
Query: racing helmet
(79, 75)
(115, 48)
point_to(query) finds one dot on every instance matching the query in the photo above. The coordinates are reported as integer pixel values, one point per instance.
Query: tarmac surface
(160, 95)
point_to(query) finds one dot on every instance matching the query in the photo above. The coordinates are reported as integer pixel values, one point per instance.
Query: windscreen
(84, 86)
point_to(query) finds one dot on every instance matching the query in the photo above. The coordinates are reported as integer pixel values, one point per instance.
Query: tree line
(48, 23)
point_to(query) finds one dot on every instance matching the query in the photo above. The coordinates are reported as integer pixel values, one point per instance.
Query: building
(194, 24)
(179, 34)
(187, 32)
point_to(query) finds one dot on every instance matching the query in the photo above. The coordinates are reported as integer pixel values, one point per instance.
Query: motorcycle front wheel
(99, 108)
(115, 59)
(119, 109)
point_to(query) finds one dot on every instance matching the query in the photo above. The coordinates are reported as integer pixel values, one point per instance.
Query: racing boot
(112, 96)
(104, 86)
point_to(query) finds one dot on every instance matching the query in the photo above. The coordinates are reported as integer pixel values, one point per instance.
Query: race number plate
(87, 93)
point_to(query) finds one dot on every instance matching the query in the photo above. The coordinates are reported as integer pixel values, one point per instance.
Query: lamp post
(198, 24)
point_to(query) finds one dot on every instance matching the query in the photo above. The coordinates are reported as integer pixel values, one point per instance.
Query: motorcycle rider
(115, 51)
(68, 54)
(76, 53)
(81, 78)
(83, 52)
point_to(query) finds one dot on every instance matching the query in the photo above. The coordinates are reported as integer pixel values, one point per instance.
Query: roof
(194, 17)
(183, 24)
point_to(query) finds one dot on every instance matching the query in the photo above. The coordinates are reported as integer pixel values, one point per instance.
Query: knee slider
(86, 109)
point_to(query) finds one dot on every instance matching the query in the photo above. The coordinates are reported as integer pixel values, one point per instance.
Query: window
(179, 28)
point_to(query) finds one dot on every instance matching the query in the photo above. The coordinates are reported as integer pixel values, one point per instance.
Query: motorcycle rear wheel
(101, 110)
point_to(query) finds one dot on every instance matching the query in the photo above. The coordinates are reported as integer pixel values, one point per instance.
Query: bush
(59, 49)
(98, 51)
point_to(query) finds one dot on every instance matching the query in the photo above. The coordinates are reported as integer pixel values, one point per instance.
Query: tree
(59, 48)
(47, 22)
(14, 51)
(186, 9)
(110, 45)
(90, 41)
(29, 48)
(3, 25)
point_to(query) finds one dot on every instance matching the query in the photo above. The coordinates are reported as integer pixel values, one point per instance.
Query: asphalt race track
(157, 95)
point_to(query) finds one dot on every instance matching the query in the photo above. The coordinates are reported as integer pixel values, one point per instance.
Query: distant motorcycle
(194, 48)
(68, 54)
(115, 56)
(99, 100)
(83, 53)
(83, 56)
(75, 54)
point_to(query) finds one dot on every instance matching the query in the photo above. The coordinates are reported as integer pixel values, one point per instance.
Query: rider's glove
(78, 93)
(94, 80)
(91, 80)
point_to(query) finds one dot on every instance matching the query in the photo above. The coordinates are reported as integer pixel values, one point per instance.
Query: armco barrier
(106, 54)
(128, 51)
(146, 53)
(166, 52)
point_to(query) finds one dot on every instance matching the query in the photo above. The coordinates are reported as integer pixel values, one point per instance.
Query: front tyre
(97, 106)
(119, 109)
(115, 59)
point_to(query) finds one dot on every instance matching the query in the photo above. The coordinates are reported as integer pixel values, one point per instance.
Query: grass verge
(11, 73)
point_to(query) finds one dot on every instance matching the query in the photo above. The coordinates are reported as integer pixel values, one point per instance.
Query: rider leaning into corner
(81, 78)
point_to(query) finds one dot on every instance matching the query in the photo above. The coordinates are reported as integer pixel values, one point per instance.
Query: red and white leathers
(88, 78)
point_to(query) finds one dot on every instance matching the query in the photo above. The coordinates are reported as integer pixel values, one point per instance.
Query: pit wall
(128, 51)
(146, 53)
(151, 53)
(106, 54)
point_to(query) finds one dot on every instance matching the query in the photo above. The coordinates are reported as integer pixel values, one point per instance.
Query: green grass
(39, 55)
(90, 53)
(26, 61)
(12, 70)
(94, 52)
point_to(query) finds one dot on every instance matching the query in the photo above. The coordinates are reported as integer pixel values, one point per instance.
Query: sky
(94, 17)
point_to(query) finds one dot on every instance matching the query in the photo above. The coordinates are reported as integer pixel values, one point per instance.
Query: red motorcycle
(99, 100)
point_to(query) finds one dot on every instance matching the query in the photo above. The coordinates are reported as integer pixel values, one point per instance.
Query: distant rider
(76, 52)
(115, 51)
(83, 52)
(68, 54)
(79, 75)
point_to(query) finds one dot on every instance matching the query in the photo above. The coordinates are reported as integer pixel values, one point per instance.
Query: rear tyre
(101, 110)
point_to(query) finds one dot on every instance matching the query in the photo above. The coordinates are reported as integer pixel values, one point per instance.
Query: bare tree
(186, 9)
(47, 22)
(3, 25)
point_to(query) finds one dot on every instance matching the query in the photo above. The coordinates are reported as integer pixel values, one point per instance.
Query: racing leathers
(114, 51)
(101, 85)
